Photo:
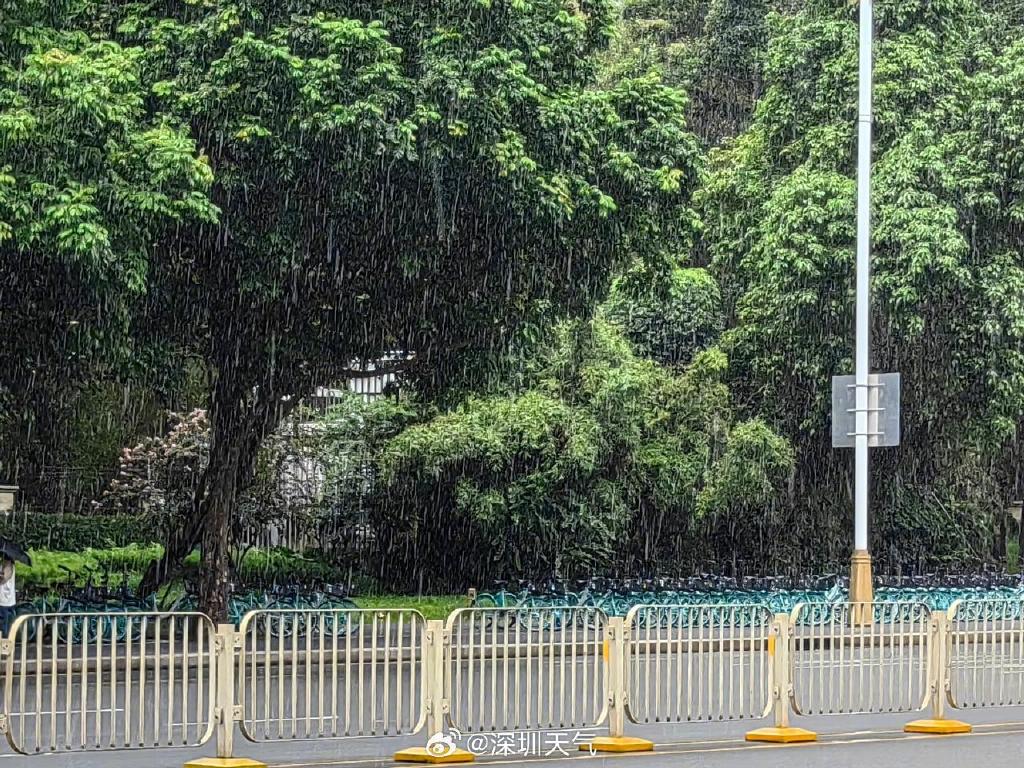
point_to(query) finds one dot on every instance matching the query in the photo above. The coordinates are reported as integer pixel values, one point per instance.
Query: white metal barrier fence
(85, 682)
(857, 658)
(986, 653)
(687, 662)
(314, 674)
(526, 668)
(103, 681)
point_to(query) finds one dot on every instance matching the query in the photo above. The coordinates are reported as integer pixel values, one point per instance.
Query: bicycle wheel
(237, 610)
(77, 628)
(484, 600)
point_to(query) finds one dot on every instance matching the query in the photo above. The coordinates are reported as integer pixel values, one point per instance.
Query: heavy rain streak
(343, 302)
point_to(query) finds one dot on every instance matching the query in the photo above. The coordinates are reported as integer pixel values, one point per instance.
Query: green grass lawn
(432, 607)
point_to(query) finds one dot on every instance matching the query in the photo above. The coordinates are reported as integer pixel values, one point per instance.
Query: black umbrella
(11, 551)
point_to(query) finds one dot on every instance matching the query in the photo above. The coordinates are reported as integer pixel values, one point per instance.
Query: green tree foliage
(668, 313)
(727, 77)
(607, 459)
(426, 177)
(264, 195)
(742, 499)
(948, 261)
(712, 48)
(657, 35)
(89, 180)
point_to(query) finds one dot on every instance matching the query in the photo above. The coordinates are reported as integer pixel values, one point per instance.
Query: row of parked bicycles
(105, 607)
(690, 598)
(616, 598)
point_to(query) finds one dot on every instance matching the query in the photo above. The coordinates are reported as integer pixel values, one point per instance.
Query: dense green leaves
(420, 177)
(89, 181)
(257, 197)
(606, 460)
(747, 476)
(668, 313)
(780, 210)
(712, 48)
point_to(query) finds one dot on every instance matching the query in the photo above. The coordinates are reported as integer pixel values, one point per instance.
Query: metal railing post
(227, 642)
(225, 711)
(780, 650)
(433, 677)
(7, 671)
(615, 645)
(938, 681)
(616, 652)
(440, 746)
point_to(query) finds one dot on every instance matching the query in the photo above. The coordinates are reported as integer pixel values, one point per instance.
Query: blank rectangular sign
(883, 410)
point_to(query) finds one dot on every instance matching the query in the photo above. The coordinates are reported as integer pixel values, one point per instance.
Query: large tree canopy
(255, 197)
(417, 177)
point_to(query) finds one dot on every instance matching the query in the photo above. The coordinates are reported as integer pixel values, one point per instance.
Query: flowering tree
(159, 475)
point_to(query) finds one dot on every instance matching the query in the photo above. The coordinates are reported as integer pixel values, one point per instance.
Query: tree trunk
(232, 457)
(240, 419)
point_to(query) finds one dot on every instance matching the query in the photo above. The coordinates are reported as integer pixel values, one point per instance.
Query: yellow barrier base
(225, 762)
(422, 755)
(939, 727)
(617, 744)
(774, 735)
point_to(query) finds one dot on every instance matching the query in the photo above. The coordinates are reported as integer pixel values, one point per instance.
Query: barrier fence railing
(101, 681)
(314, 674)
(86, 682)
(525, 668)
(857, 659)
(986, 654)
(688, 663)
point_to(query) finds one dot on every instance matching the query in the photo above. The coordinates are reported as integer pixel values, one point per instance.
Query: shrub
(282, 566)
(265, 567)
(52, 569)
(596, 467)
(75, 533)
(258, 567)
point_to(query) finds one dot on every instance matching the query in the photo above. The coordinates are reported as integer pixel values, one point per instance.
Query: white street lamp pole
(860, 581)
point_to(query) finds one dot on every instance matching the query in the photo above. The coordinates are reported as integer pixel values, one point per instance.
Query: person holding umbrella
(8, 596)
(9, 552)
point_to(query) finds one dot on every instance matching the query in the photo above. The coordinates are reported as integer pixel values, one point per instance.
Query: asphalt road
(853, 740)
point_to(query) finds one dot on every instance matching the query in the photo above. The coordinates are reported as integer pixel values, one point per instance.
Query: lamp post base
(862, 592)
